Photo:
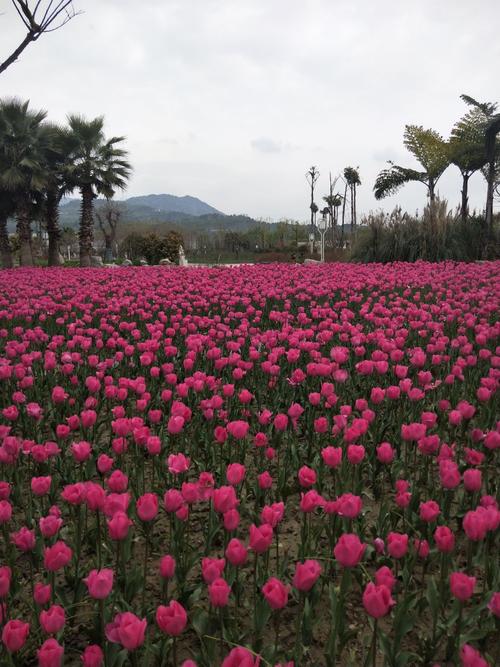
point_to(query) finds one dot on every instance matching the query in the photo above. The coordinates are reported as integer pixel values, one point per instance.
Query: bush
(152, 247)
(436, 235)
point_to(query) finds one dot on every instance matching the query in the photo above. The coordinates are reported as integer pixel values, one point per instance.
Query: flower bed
(261, 465)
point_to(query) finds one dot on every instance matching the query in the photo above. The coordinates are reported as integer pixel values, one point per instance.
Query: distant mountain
(172, 203)
(185, 213)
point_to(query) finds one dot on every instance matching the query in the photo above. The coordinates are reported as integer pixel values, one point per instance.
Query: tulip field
(275, 465)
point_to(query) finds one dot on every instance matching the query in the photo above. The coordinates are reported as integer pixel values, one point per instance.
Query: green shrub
(438, 234)
(152, 247)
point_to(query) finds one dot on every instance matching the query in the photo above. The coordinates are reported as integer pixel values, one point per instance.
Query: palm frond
(488, 108)
(390, 180)
(491, 134)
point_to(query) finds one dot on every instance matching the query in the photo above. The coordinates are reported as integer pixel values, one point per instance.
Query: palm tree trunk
(24, 234)
(432, 212)
(343, 217)
(432, 194)
(490, 179)
(354, 206)
(86, 226)
(464, 208)
(5, 249)
(53, 230)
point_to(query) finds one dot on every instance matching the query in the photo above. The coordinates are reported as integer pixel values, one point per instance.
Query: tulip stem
(101, 617)
(77, 551)
(374, 643)
(277, 551)
(459, 628)
(255, 593)
(145, 570)
(221, 645)
(174, 652)
(298, 629)
(277, 620)
(99, 552)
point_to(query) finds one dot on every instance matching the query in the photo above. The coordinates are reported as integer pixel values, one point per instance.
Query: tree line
(472, 147)
(40, 162)
(334, 202)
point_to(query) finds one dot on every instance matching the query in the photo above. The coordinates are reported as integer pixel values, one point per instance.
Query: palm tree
(58, 163)
(333, 202)
(351, 176)
(6, 210)
(431, 151)
(491, 127)
(23, 145)
(98, 167)
(344, 200)
(492, 157)
(467, 143)
(467, 151)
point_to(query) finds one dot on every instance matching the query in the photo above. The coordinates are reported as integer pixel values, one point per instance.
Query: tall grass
(437, 234)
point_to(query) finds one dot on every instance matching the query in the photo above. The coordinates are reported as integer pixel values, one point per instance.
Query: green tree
(58, 161)
(490, 129)
(23, 148)
(98, 167)
(492, 171)
(333, 201)
(6, 210)
(351, 176)
(467, 144)
(152, 246)
(430, 150)
(467, 152)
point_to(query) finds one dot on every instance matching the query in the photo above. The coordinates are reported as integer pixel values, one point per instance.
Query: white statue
(182, 257)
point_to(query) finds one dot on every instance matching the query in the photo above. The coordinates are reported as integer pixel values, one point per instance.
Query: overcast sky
(232, 100)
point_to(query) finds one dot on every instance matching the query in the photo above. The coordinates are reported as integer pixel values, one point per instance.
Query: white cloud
(233, 101)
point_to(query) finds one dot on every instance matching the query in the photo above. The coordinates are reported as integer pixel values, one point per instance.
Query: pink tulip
(99, 583)
(218, 592)
(118, 526)
(462, 586)
(167, 567)
(240, 657)
(53, 619)
(172, 619)
(377, 600)
(92, 656)
(306, 575)
(275, 593)
(127, 629)
(147, 507)
(50, 654)
(212, 568)
(349, 550)
(57, 556)
(14, 635)
(397, 544)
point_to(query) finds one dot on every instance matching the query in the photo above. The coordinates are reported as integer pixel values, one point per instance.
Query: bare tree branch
(54, 15)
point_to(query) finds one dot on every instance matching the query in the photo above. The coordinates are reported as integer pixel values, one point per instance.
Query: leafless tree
(39, 18)
(312, 176)
(108, 218)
